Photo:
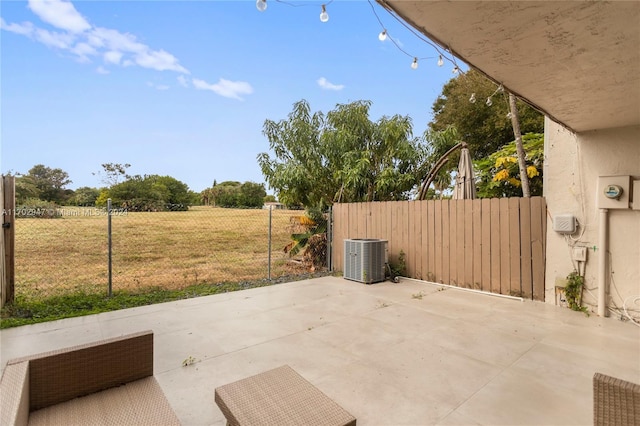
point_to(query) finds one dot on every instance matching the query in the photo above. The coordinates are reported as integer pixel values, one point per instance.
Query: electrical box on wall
(613, 192)
(564, 224)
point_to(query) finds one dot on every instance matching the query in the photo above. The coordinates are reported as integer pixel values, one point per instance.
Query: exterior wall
(573, 163)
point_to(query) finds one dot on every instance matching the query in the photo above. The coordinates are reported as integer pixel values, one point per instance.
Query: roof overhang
(577, 62)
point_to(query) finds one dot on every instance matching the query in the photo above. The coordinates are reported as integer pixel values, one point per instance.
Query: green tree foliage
(234, 194)
(498, 175)
(149, 193)
(44, 183)
(485, 128)
(342, 156)
(86, 196)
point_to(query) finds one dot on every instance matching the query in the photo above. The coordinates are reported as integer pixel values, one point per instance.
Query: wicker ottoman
(278, 397)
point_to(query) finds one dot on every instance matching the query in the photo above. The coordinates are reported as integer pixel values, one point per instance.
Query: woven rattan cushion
(279, 397)
(137, 403)
(615, 402)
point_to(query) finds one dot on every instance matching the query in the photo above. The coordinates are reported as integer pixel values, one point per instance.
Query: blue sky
(182, 88)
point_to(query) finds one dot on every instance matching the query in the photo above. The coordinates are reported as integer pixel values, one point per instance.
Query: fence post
(269, 267)
(330, 239)
(8, 238)
(110, 293)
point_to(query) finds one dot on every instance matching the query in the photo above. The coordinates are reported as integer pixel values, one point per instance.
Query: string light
(509, 115)
(443, 51)
(472, 99)
(324, 16)
(489, 101)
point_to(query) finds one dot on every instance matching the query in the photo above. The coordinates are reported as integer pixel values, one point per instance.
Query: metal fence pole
(329, 239)
(269, 268)
(109, 243)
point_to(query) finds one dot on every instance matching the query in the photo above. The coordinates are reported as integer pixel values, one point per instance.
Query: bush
(37, 209)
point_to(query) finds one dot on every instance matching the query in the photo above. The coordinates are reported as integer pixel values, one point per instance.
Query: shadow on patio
(407, 353)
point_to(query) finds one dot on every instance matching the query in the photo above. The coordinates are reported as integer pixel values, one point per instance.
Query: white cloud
(158, 86)
(115, 40)
(226, 88)
(26, 28)
(326, 85)
(102, 70)
(54, 39)
(61, 14)
(183, 81)
(159, 60)
(112, 57)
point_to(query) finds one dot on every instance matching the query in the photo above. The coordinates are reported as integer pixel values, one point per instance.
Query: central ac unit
(365, 260)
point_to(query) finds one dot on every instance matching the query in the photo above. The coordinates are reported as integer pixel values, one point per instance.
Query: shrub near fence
(170, 250)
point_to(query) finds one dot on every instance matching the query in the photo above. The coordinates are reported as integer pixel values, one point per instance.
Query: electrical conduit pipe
(603, 236)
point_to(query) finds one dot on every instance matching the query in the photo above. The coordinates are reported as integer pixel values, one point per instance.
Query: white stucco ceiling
(578, 62)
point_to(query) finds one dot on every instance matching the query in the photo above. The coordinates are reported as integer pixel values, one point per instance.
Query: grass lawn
(61, 263)
(168, 250)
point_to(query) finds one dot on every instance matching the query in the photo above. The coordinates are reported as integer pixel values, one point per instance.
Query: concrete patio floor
(390, 354)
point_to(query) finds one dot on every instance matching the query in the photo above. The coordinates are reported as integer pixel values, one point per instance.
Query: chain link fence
(65, 249)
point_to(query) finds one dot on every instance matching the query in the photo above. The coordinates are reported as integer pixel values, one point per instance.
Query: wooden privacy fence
(495, 245)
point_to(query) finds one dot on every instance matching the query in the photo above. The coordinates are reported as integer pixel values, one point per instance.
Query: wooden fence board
(485, 244)
(538, 238)
(476, 213)
(431, 242)
(525, 248)
(460, 252)
(417, 239)
(505, 260)
(438, 248)
(424, 250)
(468, 244)
(8, 238)
(446, 242)
(514, 247)
(496, 240)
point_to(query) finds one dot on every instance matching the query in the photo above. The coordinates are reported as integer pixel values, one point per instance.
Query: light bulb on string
(472, 99)
(261, 5)
(489, 101)
(324, 16)
(383, 35)
(440, 61)
(455, 70)
(414, 64)
(509, 115)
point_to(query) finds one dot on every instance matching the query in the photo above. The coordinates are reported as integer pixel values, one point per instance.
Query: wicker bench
(615, 401)
(279, 397)
(110, 381)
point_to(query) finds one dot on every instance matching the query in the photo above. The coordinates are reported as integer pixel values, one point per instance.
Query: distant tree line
(235, 195)
(45, 187)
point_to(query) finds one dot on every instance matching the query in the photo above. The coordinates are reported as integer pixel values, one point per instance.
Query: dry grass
(168, 249)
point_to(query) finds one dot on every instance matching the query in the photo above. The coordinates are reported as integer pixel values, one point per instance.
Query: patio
(407, 353)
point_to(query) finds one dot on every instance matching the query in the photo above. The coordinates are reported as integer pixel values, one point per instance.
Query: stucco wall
(573, 163)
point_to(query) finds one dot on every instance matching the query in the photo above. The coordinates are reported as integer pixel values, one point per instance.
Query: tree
(86, 196)
(498, 174)
(150, 193)
(342, 156)
(233, 194)
(112, 173)
(485, 128)
(48, 183)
